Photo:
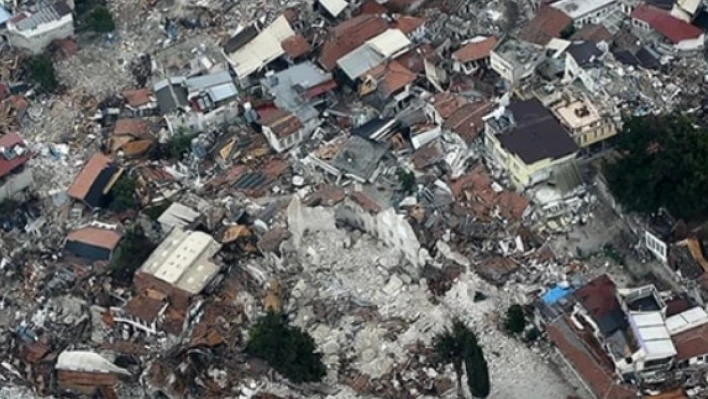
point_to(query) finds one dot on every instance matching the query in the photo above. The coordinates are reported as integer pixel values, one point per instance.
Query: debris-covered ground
(173, 170)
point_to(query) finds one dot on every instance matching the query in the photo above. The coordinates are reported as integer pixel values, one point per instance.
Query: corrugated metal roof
(183, 259)
(334, 7)
(222, 92)
(43, 16)
(389, 43)
(264, 48)
(210, 80)
(356, 63)
(686, 320)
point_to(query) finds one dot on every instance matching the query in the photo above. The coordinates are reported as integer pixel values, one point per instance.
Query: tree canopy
(287, 349)
(134, 248)
(40, 70)
(123, 195)
(458, 346)
(100, 20)
(515, 321)
(662, 162)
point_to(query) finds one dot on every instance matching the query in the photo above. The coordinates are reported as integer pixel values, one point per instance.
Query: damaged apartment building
(373, 169)
(169, 282)
(622, 340)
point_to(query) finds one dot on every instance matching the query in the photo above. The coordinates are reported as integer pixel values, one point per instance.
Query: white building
(515, 60)
(584, 12)
(671, 35)
(15, 175)
(34, 32)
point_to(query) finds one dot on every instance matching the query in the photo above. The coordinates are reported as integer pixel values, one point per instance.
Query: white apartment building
(34, 32)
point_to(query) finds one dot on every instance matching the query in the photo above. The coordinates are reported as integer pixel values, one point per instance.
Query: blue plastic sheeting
(4, 15)
(555, 294)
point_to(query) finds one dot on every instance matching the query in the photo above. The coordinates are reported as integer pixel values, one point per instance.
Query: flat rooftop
(184, 260)
(577, 114)
(577, 9)
(518, 52)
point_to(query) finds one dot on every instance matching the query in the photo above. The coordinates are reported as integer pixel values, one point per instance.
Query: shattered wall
(387, 226)
(304, 219)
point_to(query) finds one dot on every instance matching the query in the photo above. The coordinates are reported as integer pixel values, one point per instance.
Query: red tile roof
(132, 127)
(13, 141)
(599, 379)
(447, 103)
(474, 51)
(392, 77)
(295, 46)
(372, 7)
(349, 35)
(547, 24)
(414, 59)
(593, 33)
(467, 120)
(692, 343)
(82, 184)
(365, 202)
(101, 238)
(598, 297)
(661, 21)
(408, 24)
(138, 97)
(281, 122)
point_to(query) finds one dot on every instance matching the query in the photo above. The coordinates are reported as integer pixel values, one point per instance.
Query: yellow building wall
(596, 135)
(520, 172)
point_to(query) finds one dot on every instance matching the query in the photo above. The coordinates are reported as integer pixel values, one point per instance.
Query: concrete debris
(206, 162)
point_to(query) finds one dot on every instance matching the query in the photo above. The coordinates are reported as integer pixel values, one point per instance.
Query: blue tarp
(4, 15)
(555, 294)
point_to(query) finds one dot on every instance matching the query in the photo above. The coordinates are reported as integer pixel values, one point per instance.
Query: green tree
(458, 346)
(407, 180)
(662, 162)
(476, 368)
(568, 31)
(123, 194)
(40, 70)
(287, 349)
(100, 20)
(515, 321)
(133, 249)
(180, 143)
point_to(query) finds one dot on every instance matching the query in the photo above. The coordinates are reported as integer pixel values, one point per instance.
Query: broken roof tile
(365, 202)
(593, 33)
(14, 153)
(447, 103)
(88, 175)
(408, 24)
(97, 237)
(144, 307)
(391, 77)
(467, 120)
(511, 205)
(601, 381)
(133, 127)
(665, 24)
(347, 36)
(271, 240)
(138, 97)
(280, 122)
(475, 50)
(547, 24)
(427, 155)
(372, 7)
(295, 46)
(327, 195)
